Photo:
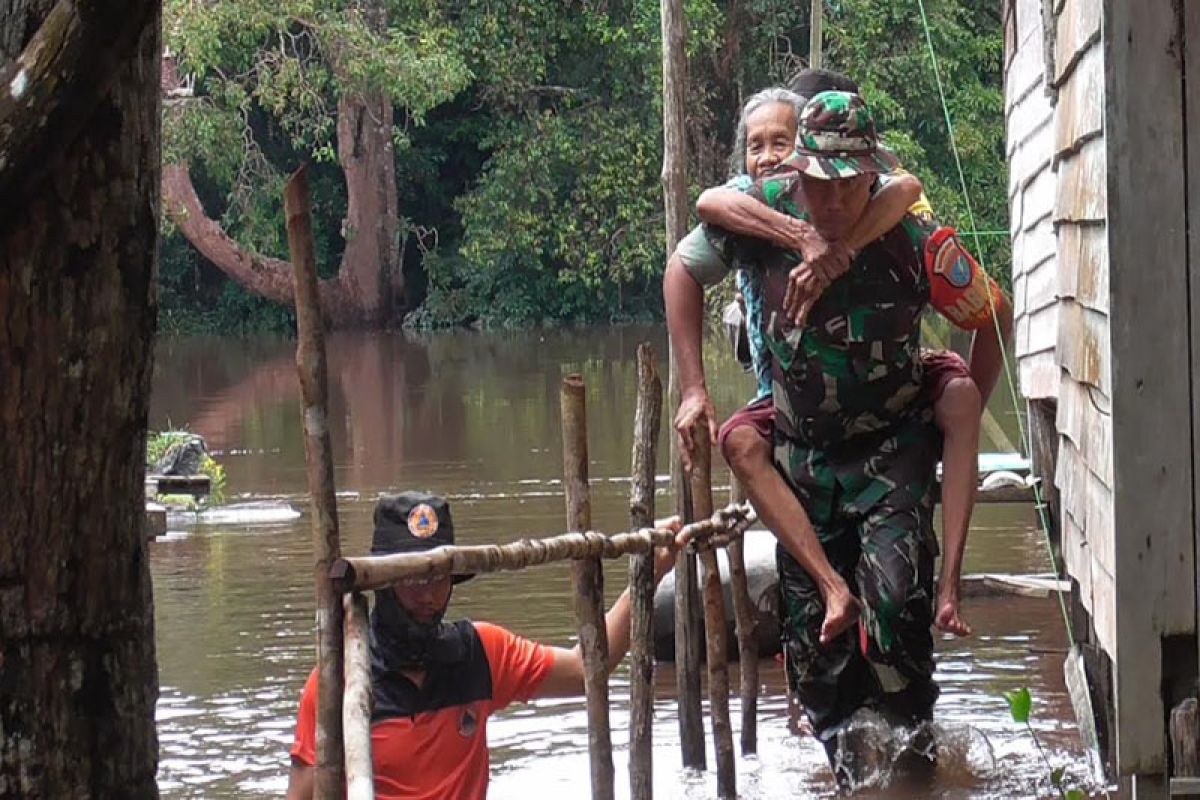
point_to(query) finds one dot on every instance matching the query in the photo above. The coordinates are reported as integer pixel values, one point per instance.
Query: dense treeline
(523, 140)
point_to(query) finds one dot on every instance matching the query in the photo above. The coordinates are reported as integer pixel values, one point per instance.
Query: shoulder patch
(958, 286)
(947, 258)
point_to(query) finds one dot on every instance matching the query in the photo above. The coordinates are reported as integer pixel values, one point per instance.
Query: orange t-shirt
(441, 753)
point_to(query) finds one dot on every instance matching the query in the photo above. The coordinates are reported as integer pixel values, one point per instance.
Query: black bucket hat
(412, 522)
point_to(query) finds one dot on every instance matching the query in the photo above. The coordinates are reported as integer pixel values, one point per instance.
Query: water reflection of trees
(458, 408)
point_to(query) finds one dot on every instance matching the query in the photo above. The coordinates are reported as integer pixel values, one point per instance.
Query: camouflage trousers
(877, 531)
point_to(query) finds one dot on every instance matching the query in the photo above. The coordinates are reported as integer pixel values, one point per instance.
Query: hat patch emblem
(422, 521)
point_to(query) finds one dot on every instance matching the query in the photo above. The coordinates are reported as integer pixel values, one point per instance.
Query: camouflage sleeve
(958, 286)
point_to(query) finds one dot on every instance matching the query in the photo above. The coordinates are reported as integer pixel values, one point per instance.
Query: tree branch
(48, 93)
(269, 277)
(265, 276)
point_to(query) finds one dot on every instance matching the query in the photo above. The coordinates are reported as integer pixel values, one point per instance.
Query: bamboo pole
(817, 20)
(714, 622)
(587, 578)
(363, 573)
(743, 609)
(356, 709)
(646, 424)
(310, 364)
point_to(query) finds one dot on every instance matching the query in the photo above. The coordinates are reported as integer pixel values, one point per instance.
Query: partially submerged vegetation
(163, 447)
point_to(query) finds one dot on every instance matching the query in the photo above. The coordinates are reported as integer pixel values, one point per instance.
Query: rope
(1025, 433)
(362, 573)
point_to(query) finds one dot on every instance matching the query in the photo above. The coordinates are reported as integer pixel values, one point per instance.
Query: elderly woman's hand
(804, 287)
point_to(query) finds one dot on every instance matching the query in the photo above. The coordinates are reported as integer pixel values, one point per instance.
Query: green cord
(1025, 433)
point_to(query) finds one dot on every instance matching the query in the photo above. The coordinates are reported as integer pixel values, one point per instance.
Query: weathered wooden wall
(1151, 368)
(1031, 184)
(1099, 198)
(1055, 99)
(1085, 465)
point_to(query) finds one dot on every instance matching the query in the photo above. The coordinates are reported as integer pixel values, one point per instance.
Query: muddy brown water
(474, 416)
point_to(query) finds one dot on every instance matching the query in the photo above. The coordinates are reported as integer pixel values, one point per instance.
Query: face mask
(399, 642)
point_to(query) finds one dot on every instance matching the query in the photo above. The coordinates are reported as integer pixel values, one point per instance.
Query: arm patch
(959, 288)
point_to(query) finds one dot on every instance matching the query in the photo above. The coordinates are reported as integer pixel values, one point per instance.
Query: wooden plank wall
(1149, 379)
(1030, 135)
(1191, 37)
(1085, 467)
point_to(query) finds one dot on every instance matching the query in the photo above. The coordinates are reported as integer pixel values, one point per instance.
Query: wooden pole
(743, 610)
(587, 578)
(714, 622)
(646, 424)
(675, 203)
(310, 364)
(1185, 739)
(817, 20)
(362, 573)
(687, 643)
(356, 709)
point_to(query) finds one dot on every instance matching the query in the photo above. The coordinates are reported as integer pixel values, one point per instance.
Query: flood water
(474, 416)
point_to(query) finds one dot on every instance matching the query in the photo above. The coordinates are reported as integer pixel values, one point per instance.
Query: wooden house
(1103, 121)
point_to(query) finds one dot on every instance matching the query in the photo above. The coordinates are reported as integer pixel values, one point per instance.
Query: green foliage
(269, 75)
(902, 90)
(529, 136)
(1019, 704)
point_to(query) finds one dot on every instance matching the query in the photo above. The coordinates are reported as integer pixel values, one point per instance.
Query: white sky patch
(19, 84)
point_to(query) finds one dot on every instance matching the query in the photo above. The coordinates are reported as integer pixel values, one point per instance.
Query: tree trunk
(77, 317)
(371, 271)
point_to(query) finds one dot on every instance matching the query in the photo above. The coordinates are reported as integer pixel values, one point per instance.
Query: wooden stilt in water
(1185, 739)
(310, 363)
(717, 658)
(641, 576)
(688, 615)
(356, 707)
(587, 578)
(743, 609)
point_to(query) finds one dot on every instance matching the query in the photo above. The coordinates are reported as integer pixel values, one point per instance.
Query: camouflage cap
(837, 139)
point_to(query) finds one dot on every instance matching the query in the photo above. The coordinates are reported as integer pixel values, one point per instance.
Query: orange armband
(959, 288)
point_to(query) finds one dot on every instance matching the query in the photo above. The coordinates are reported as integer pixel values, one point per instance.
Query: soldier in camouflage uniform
(856, 440)
(854, 433)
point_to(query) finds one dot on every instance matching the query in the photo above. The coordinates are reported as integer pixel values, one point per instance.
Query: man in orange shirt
(436, 683)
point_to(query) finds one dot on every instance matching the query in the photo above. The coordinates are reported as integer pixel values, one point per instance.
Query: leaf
(1056, 776)
(1019, 704)
(1075, 794)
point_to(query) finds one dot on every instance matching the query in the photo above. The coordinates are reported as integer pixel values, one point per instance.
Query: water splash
(873, 754)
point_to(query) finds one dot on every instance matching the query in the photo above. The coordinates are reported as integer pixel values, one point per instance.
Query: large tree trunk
(77, 317)
(371, 270)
